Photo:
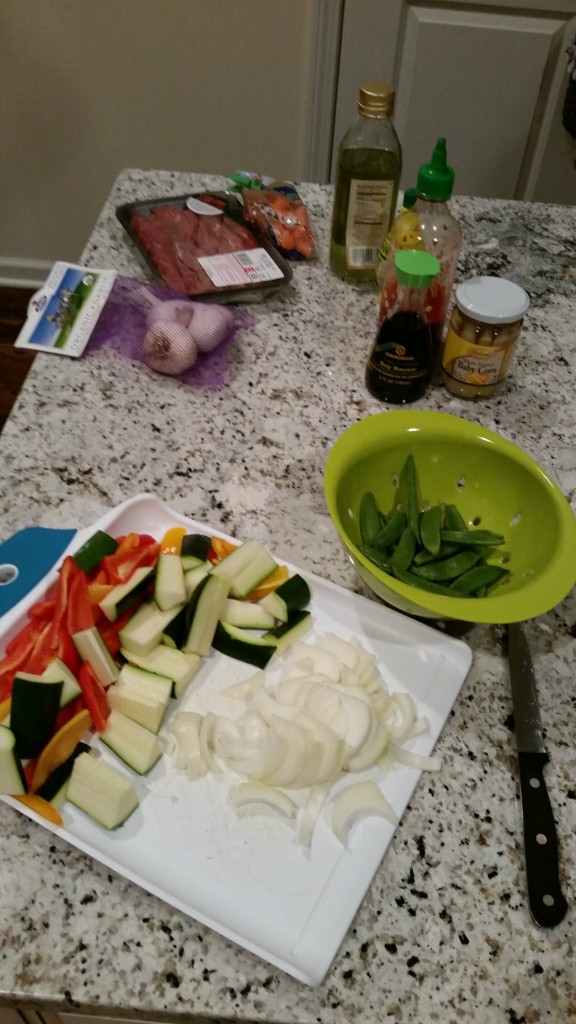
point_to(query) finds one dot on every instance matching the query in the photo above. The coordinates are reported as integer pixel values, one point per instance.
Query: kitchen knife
(547, 903)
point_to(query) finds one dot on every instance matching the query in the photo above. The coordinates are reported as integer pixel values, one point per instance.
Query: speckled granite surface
(444, 933)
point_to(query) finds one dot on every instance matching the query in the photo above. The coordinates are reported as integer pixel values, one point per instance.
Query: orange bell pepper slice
(222, 548)
(272, 582)
(41, 807)
(60, 747)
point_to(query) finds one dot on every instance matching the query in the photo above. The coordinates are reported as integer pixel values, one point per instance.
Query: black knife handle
(547, 903)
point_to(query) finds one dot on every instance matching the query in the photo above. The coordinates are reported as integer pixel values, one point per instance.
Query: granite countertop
(444, 932)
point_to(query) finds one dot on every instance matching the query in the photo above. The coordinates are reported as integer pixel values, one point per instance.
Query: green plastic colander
(494, 484)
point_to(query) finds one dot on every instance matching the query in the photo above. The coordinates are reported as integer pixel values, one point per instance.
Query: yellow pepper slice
(5, 706)
(171, 543)
(222, 548)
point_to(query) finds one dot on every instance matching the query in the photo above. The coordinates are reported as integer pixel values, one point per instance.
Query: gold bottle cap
(376, 99)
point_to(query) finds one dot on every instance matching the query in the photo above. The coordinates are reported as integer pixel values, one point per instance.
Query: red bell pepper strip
(94, 696)
(120, 566)
(79, 614)
(43, 609)
(69, 711)
(109, 630)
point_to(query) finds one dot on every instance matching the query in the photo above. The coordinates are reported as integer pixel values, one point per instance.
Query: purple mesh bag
(126, 318)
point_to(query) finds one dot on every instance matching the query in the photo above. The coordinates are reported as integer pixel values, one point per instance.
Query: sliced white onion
(308, 815)
(185, 737)
(257, 795)
(371, 752)
(404, 717)
(247, 688)
(360, 800)
(413, 760)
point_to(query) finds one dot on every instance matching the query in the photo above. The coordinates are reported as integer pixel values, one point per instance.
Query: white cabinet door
(488, 77)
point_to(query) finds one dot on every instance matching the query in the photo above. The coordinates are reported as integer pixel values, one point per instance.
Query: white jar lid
(492, 300)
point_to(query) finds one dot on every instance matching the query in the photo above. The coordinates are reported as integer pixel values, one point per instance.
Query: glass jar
(484, 328)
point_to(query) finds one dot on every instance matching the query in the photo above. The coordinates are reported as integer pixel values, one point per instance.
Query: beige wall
(89, 87)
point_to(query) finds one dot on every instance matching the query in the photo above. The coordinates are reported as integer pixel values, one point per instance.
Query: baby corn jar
(484, 328)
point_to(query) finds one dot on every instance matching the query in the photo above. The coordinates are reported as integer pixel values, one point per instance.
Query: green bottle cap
(409, 198)
(415, 268)
(436, 179)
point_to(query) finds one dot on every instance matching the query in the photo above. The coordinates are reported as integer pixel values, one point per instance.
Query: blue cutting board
(25, 558)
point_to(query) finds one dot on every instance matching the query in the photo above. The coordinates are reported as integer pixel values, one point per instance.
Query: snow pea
(430, 525)
(404, 551)
(405, 576)
(424, 556)
(454, 520)
(392, 531)
(449, 568)
(480, 576)
(476, 538)
(411, 499)
(378, 558)
(369, 517)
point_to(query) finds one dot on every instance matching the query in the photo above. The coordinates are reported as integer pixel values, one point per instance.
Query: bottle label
(369, 209)
(481, 365)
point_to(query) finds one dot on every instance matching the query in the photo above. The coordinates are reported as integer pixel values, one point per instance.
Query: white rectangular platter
(246, 877)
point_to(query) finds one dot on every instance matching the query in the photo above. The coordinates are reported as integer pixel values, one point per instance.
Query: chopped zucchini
(144, 630)
(244, 645)
(299, 622)
(247, 614)
(179, 667)
(197, 544)
(293, 595)
(245, 568)
(94, 550)
(71, 688)
(137, 746)
(150, 684)
(204, 611)
(101, 792)
(55, 788)
(169, 589)
(12, 778)
(191, 562)
(121, 597)
(148, 711)
(91, 648)
(193, 577)
(35, 704)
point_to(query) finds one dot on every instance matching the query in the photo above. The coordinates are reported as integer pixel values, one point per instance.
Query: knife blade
(547, 903)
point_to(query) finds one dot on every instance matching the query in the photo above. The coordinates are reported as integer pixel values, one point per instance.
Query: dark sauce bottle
(401, 362)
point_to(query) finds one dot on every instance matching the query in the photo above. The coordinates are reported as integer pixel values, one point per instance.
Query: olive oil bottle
(369, 167)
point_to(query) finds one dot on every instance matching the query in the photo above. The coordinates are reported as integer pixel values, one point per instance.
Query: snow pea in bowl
(494, 537)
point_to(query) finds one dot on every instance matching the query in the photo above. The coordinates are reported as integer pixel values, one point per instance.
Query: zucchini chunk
(121, 597)
(94, 550)
(144, 630)
(101, 792)
(55, 788)
(91, 648)
(148, 711)
(35, 704)
(293, 595)
(179, 667)
(12, 778)
(299, 622)
(244, 645)
(150, 684)
(71, 688)
(135, 745)
(204, 611)
(193, 577)
(196, 544)
(247, 614)
(169, 589)
(191, 562)
(245, 568)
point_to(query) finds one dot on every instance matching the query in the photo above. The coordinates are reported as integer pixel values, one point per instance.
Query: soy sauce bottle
(400, 364)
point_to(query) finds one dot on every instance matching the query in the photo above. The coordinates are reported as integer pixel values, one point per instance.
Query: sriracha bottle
(400, 364)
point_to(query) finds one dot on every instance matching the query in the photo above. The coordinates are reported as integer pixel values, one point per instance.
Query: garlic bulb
(169, 348)
(210, 325)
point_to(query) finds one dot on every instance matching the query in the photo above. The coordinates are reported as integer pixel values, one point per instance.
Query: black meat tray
(251, 292)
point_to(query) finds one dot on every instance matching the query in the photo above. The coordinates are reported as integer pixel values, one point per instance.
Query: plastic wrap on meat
(174, 239)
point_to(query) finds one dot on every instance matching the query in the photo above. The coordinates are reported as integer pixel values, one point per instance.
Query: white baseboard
(19, 273)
